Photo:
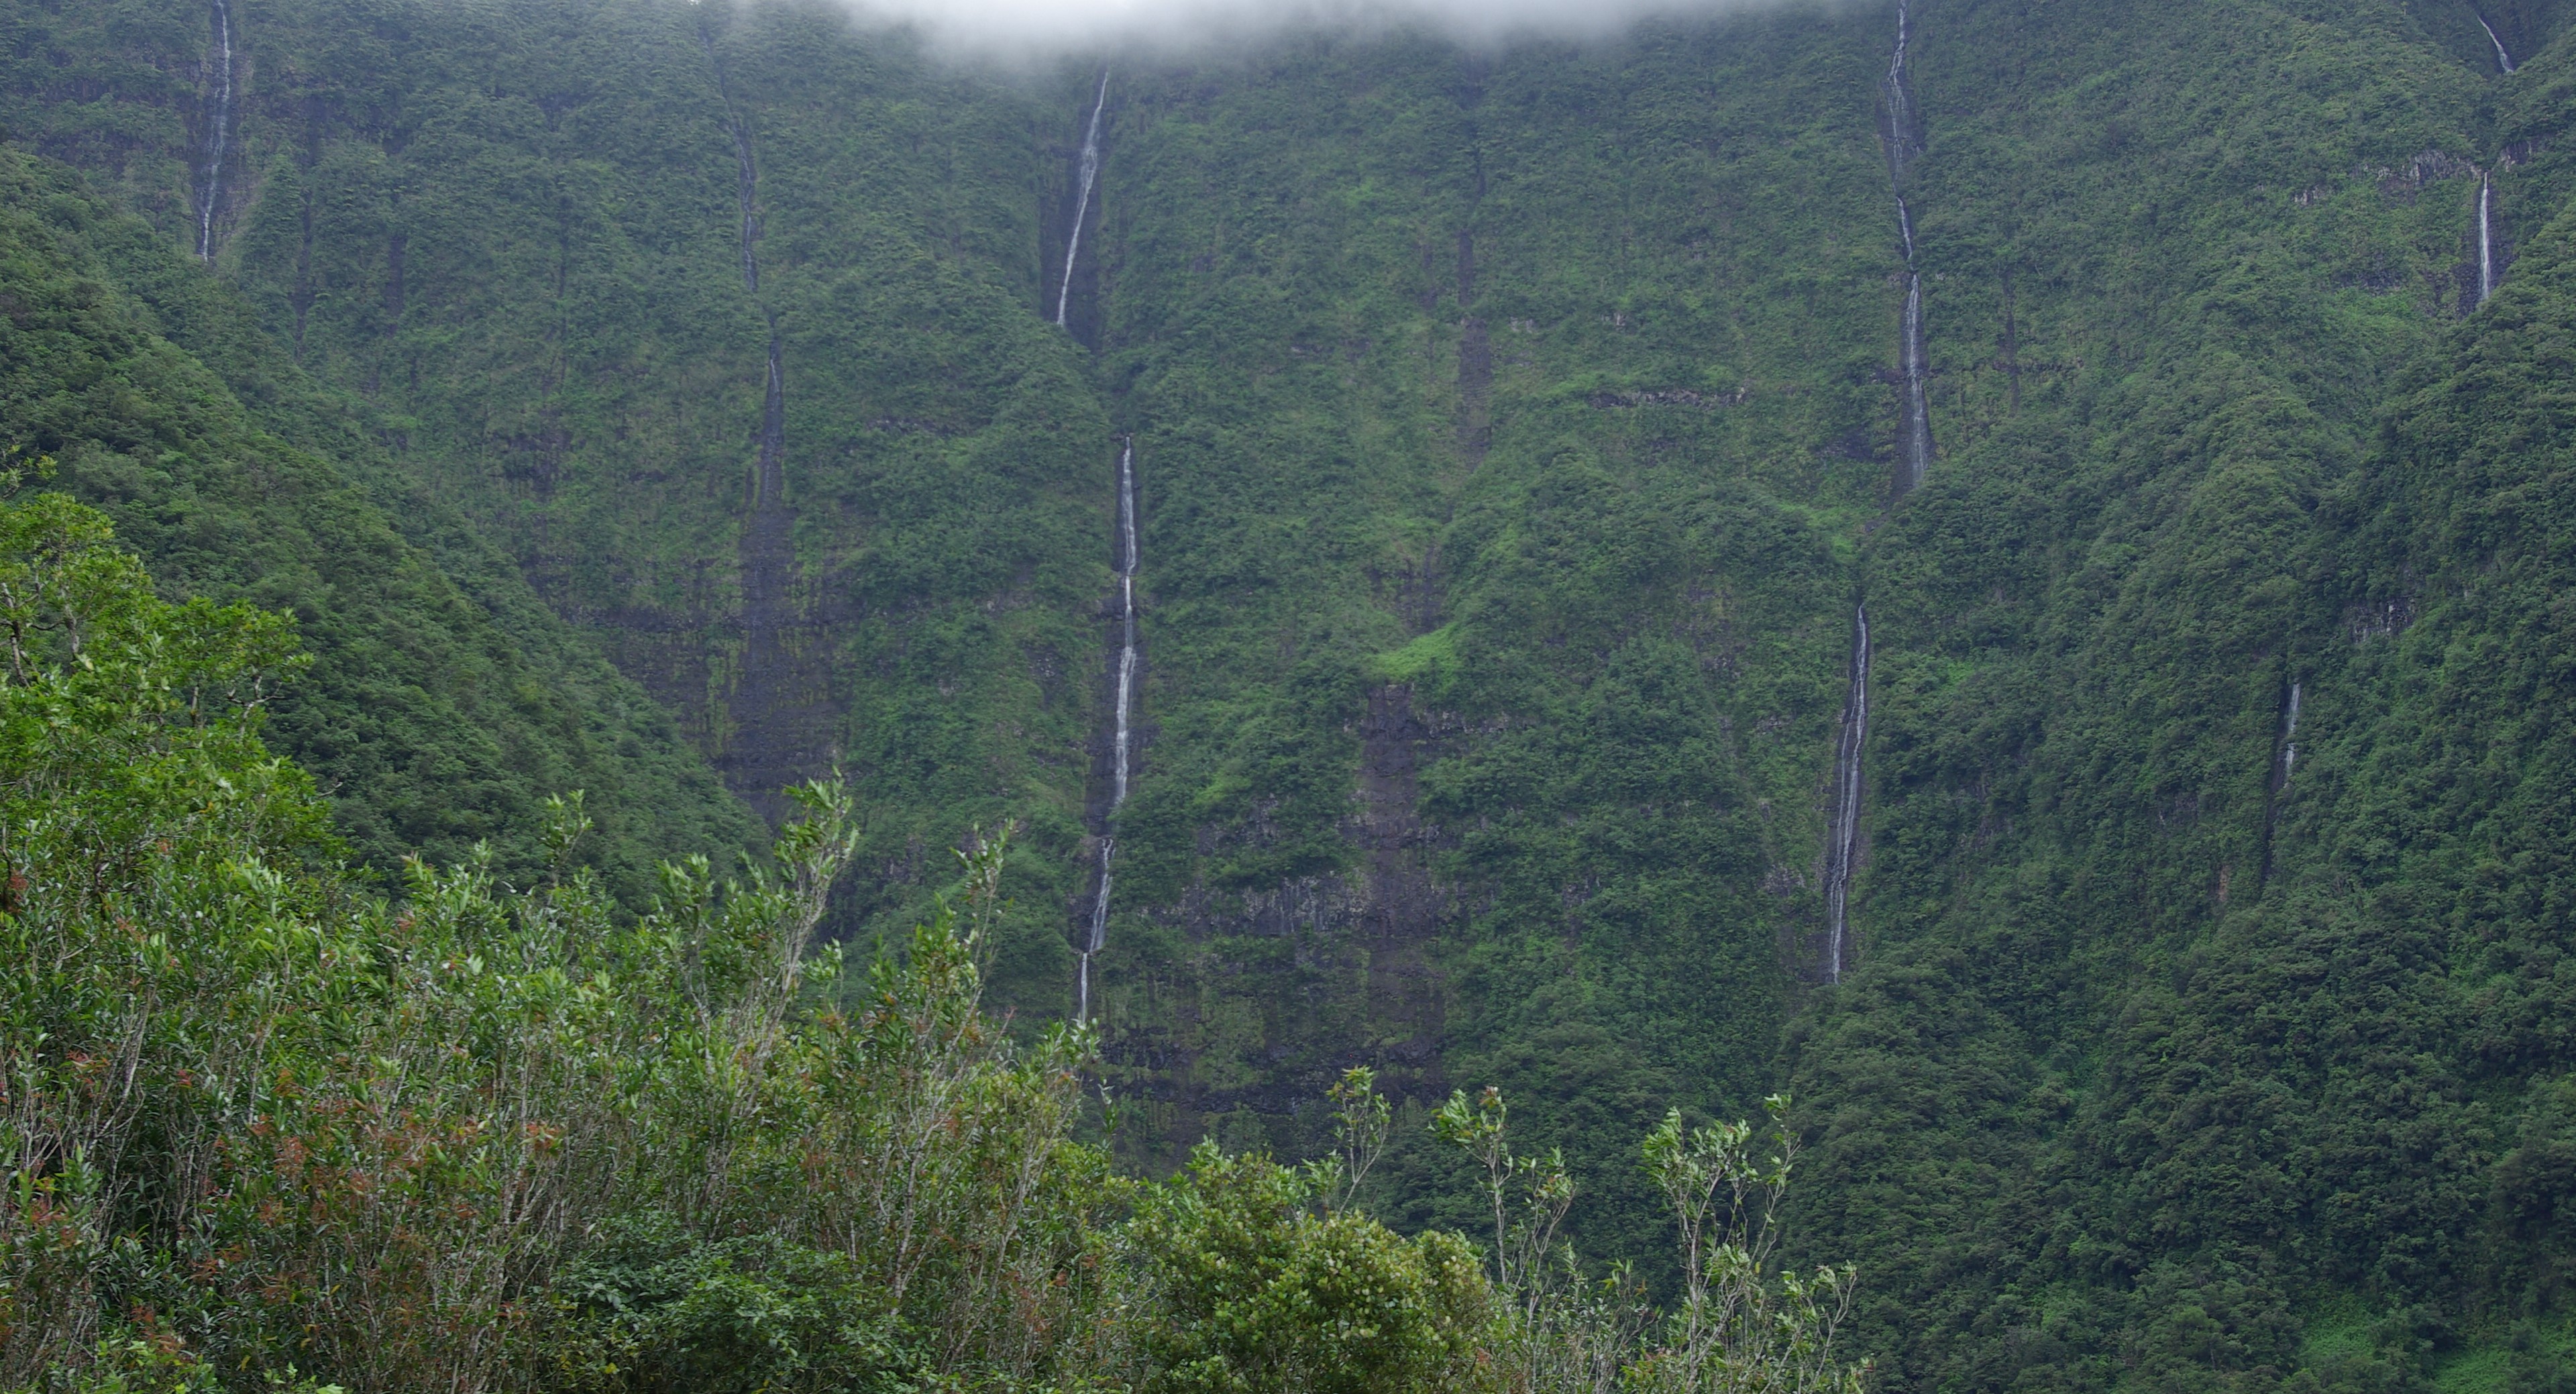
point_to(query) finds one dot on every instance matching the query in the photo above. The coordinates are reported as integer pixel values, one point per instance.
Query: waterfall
(223, 115)
(746, 172)
(1904, 132)
(748, 176)
(1845, 847)
(2281, 763)
(2486, 236)
(777, 705)
(1842, 851)
(2289, 741)
(1082, 199)
(1120, 743)
(1918, 413)
(1900, 99)
(2504, 60)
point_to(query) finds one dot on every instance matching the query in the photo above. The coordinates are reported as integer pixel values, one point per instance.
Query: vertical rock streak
(217, 130)
(1842, 851)
(2504, 60)
(1123, 708)
(1082, 198)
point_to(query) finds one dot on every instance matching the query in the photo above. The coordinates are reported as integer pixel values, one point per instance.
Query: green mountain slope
(444, 704)
(1515, 432)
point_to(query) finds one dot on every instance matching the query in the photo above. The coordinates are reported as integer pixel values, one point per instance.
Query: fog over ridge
(1036, 28)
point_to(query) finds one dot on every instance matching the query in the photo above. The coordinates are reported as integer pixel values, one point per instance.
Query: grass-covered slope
(444, 704)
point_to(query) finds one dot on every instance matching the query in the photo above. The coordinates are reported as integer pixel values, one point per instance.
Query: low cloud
(1035, 28)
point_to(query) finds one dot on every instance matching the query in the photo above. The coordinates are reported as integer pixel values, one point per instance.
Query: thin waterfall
(1120, 741)
(2486, 236)
(1845, 847)
(2504, 60)
(1900, 98)
(778, 717)
(1904, 134)
(1082, 199)
(746, 169)
(2275, 796)
(2289, 742)
(748, 176)
(1918, 412)
(215, 137)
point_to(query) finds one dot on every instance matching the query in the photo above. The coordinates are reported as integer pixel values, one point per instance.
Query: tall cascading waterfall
(1842, 852)
(217, 132)
(1124, 707)
(1082, 198)
(2486, 236)
(2504, 60)
(1903, 135)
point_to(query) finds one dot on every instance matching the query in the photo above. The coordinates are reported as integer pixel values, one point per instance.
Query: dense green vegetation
(265, 1130)
(1514, 429)
(445, 703)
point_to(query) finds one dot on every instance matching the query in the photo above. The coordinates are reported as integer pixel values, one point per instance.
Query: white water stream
(220, 127)
(1918, 412)
(1082, 199)
(1845, 847)
(1120, 744)
(2486, 237)
(1842, 852)
(2504, 60)
(2289, 741)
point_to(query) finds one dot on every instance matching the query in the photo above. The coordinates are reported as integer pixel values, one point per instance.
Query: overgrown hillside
(445, 703)
(1520, 435)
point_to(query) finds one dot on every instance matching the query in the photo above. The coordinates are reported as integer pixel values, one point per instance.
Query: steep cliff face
(1516, 442)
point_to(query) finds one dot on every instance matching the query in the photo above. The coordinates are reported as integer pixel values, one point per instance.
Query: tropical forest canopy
(2004, 570)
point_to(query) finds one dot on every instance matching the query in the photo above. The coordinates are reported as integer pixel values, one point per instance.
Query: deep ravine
(1123, 705)
(218, 129)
